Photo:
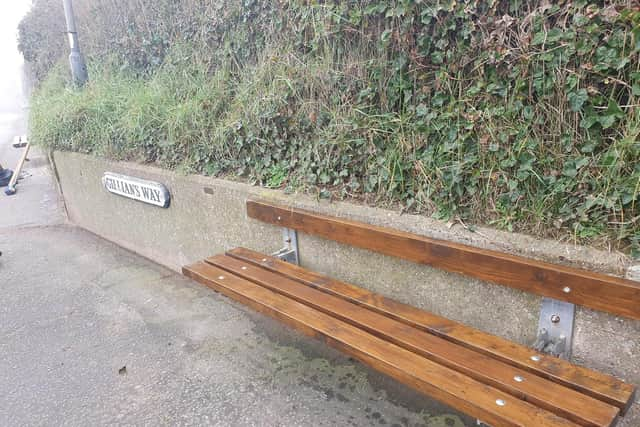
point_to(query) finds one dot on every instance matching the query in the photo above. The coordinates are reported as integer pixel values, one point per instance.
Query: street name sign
(153, 193)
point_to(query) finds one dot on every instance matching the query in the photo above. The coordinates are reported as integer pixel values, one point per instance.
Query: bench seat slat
(600, 386)
(597, 291)
(551, 396)
(443, 384)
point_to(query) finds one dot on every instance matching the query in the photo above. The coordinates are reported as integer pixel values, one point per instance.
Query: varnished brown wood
(565, 402)
(439, 382)
(600, 386)
(597, 291)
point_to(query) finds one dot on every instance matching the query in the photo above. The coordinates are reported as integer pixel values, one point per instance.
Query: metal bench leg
(289, 252)
(555, 328)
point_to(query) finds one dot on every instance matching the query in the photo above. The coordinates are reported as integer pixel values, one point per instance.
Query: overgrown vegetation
(519, 114)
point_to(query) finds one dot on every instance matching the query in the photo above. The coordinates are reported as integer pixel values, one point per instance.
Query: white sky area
(11, 62)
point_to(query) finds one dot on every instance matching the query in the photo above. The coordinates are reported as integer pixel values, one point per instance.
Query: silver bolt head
(518, 379)
(500, 402)
(264, 260)
(535, 358)
(244, 267)
(566, 289)
(220, 277)
(555, 318)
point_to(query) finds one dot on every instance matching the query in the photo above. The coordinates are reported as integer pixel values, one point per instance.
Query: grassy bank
(522, 116)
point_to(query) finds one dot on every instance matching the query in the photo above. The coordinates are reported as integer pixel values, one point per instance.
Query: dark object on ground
(122, 371)
(20, 142)
(11, 187)
(5, 177)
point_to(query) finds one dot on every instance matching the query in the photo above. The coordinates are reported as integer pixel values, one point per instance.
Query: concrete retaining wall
(208, 216)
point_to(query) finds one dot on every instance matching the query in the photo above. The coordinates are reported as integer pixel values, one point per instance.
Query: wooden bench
(487, 377)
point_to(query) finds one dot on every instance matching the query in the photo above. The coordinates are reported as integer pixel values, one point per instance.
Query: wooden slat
(600, 386)
(441, 383)
(565, 402)
(598, 291)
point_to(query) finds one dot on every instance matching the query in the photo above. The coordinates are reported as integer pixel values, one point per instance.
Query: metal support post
(76, 60)
(289, 252)
(555, 328)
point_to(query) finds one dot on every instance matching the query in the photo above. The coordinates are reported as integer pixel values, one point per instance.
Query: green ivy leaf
(375, 8)
(590, 118)
(437, 57)
(572, 81)
(386, 35)
(589, 147)
(324, 178)
(539, 38)
(636, 39)
(577, 99)
(609, 159)
(571, 167)
(554, 35)
(606, 121)
(620, 63)
(615, 110)
(580, 20)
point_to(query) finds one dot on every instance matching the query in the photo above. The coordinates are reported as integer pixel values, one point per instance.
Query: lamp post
(78, 66)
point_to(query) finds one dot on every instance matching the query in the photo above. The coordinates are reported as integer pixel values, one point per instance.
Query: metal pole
(78, 66)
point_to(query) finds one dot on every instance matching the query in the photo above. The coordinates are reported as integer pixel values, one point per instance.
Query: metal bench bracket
(289, 252)
(555, 328)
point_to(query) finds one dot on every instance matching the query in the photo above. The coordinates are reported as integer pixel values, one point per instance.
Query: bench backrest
(598, 291)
